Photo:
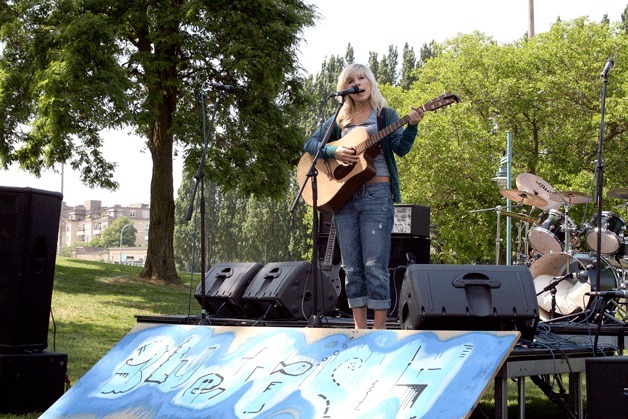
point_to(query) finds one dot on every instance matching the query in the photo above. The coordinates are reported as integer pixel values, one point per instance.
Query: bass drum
(571, 292)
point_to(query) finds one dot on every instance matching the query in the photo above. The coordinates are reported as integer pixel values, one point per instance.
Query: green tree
(545, 91)
(408, 65)
(121, 231)
(69, 70)
(427, 51)
(373, 64)
(387, 70)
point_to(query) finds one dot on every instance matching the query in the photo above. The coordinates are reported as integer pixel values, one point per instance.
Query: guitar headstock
(443, 100)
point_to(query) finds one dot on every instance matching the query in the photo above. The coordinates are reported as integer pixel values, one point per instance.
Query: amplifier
(410, 220)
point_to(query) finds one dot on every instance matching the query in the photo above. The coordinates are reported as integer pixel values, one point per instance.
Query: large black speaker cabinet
(225, 284)
(29, 224)
(284, 290)
(469, 297)
(31, 382)
(607, 387)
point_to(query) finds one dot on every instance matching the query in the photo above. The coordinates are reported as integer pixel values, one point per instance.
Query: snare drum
(547, 235)
(612, 228)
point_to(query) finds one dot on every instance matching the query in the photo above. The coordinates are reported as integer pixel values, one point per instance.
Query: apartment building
(83, 223)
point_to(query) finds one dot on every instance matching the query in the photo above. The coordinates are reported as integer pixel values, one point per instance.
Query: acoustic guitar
(337, 183)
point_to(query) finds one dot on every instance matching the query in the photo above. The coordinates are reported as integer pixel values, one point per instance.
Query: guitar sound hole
(342, 171)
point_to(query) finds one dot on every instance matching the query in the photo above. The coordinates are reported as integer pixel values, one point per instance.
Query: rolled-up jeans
(364, 228)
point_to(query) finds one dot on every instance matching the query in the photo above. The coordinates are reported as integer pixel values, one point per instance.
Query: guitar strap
(380, 120)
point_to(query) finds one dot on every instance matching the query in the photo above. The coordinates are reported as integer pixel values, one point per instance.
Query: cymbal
(619, 193)
(523, 197)
(537, 186)
(570, 197)
(518, 216)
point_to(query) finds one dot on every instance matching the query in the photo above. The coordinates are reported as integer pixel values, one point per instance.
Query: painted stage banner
(179, 371)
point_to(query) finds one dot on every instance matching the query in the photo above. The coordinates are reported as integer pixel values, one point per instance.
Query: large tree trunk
(160, 254)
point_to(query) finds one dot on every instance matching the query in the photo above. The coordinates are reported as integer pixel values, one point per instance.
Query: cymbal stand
(498, 239)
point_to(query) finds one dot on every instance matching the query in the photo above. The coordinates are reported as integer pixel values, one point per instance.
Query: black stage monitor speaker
(469, 297)
(29, 224)
(283, 290)
(225, 284)
(31, 382)
(607, 387)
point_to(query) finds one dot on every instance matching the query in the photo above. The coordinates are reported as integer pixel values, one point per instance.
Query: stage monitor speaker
(283, 290)
(29, 224)
(607, 387)
(31, 382)
(225, 284)
(469, 297)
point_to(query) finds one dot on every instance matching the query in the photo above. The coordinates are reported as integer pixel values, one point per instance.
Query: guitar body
(337, 183)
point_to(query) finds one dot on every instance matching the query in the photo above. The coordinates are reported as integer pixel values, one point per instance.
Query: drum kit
(562, 255)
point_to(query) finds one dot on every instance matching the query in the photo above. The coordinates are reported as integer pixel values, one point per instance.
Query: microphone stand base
(314, 321)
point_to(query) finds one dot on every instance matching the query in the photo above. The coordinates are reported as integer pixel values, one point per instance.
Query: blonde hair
(377, 101)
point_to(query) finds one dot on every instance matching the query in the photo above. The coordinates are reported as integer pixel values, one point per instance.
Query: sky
(369, 25)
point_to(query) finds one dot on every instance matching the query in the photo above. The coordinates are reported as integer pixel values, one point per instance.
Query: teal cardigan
(399, 142)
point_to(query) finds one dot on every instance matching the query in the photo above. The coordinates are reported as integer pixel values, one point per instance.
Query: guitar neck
(377, 137)
(443, 100)
(329, 251)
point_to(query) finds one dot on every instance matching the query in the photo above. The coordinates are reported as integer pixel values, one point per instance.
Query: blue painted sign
(263, 372)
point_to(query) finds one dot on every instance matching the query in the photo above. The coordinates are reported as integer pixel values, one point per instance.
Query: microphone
(580, 276)
(224, 87)
(607, 67)
(352, 89)
(609, 294)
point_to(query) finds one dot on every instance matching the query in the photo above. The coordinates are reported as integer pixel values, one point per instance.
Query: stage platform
(558, 349)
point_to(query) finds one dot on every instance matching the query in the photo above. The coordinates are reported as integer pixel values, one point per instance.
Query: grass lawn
(94, 305)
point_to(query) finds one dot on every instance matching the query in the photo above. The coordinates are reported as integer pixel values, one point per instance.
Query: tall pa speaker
(607, 387)
(29, 223)
(284, 290)
(469, 297)
(225, 284)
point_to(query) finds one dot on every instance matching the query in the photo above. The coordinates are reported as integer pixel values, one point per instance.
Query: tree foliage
(121, 232)
(546, 92)
(68, 70)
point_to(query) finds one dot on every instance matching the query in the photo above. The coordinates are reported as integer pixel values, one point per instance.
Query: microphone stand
(312, 174)
(200, 179)
(551, 287)
(598, 199)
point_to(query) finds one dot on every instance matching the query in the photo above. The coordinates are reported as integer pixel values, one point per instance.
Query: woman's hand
(416, 114)
(346, 156)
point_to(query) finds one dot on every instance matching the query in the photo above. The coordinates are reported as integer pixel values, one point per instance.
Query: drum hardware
(571, 298)
(523, 197)
(501, 210)
(619, 193)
